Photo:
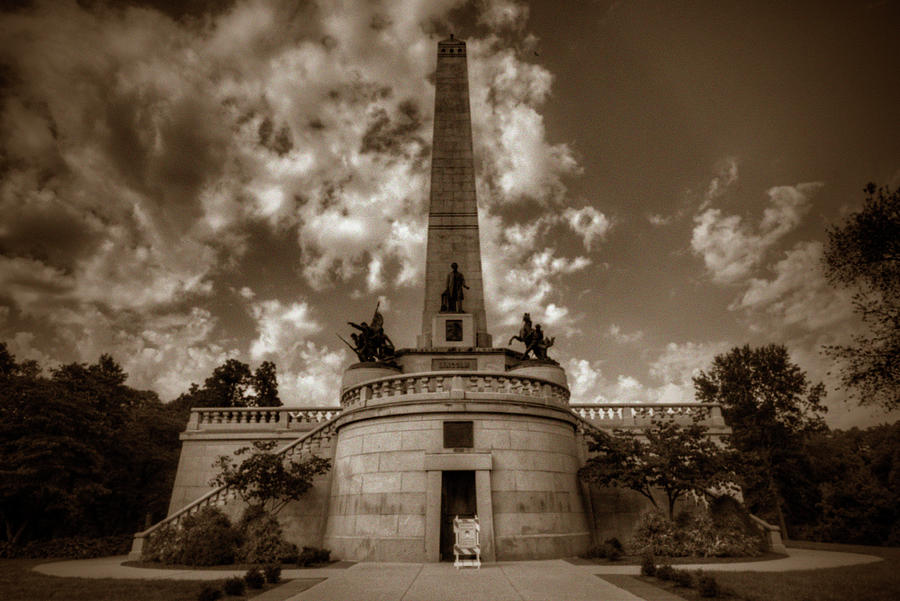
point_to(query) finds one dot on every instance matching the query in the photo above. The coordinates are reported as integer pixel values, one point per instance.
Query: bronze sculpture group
(533, 339)
(371, 343)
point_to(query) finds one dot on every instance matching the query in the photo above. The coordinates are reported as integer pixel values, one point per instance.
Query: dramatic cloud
(797, 295)
(144, 154)
(589, 223)
(281, 328)
(677, 364)
(517, 162)
(731, 248)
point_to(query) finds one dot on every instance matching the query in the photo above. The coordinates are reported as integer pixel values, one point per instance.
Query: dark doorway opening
(457, 499)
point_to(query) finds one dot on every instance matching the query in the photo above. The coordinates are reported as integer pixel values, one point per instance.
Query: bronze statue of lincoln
(451, 299)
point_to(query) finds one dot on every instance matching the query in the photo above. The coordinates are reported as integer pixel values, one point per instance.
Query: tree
(666, 456)
(864, 254)
(857, 473)
(265, 384)
(232, 384)
(80, 452)
(266, 479)
(771, 407)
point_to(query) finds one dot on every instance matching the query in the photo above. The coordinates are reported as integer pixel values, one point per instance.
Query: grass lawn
(635, 560)
(18, 582)
(868, 582)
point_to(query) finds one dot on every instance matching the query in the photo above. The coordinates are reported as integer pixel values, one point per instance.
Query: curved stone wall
(385, 499)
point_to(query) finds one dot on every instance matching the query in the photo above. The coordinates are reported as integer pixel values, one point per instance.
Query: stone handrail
(308, 442)
(443, 384)
(643, 414)
(268, 418)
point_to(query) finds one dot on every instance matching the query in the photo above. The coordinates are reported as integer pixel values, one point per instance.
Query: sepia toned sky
(187, 182)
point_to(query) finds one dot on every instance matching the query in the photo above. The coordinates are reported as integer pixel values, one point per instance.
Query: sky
(188, 182)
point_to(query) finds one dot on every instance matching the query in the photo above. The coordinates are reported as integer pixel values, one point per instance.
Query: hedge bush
(604, 551)
(235, 587)
(74, 547)
(312, 555)
(205, 538)
(263, 539)
(682, 578)
(254, 578)
(707, 586)
(665, 572)
(209, 593)
(697, 536)
(648, 565)
(272, 573)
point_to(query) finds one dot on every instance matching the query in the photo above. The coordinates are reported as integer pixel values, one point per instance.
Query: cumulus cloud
(313, 378)
(281, 327)
(731, 248)
(146, 153)
(726, 176)
(517, 161)
(522, 275)
(798, 294)
(678, 363)
(585, 380)
(587, 222)
(500, 14)
(616, 333)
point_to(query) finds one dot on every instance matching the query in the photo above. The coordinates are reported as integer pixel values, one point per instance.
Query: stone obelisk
(453, 211)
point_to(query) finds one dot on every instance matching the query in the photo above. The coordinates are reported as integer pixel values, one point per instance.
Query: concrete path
(514, 581)
(503, 581)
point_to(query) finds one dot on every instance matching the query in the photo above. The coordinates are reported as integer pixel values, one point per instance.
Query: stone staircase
(307, 443)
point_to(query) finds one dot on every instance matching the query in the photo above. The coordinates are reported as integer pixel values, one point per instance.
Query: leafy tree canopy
(771, 407)
(864, 254)
(233, 384)
(266, 479)
(666, 456)
(80, 452)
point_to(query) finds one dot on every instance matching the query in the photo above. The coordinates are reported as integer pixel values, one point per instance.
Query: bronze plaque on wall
(448, 364)
(454, 330)
(458, 435)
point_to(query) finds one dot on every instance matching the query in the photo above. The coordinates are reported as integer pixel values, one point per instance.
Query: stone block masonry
(453, 235)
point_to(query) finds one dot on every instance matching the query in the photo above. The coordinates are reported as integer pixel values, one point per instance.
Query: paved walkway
(502, 581)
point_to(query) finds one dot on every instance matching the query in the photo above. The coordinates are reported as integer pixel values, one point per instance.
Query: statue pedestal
(453, 330)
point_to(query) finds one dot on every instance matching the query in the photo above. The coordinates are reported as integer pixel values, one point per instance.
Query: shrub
(682, 578)
(207, 538)
(272, 573)
(665, 572)
(614, 542)
(707, 586)
(74, 547)
(209, 593)
(699, 536)
(604, 551)
(648, 565)
(254, 578)
(235, 587)
(163, 545)
(263, 541)
(656, 534)
(312, 555)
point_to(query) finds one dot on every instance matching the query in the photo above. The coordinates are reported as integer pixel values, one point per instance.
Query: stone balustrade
(448, 384)
(308, 443)
(259, 418)
(637, 415)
